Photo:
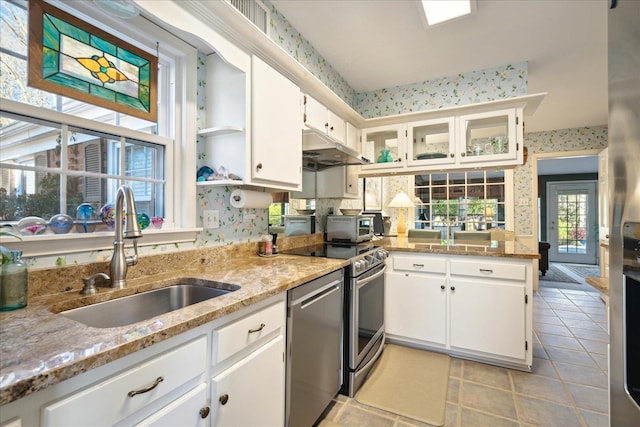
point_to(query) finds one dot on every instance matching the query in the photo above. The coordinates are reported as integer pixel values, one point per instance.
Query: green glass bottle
(13, 283)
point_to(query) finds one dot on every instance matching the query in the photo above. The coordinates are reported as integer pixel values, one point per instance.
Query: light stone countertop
(41, 348)
(493, 248)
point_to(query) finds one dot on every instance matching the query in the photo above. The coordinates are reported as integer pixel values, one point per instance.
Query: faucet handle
(90, 283)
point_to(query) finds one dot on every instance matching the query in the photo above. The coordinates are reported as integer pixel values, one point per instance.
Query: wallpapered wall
(467, 88)
(550, 142)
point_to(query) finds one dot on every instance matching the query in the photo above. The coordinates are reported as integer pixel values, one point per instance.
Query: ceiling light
(438, 11)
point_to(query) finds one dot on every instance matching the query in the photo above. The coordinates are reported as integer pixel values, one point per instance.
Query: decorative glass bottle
(13, 283)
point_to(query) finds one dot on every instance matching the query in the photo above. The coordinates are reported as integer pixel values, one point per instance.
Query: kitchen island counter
(41, 348)
(493, 248)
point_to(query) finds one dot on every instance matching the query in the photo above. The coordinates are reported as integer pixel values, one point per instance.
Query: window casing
(93, 139)
(474, 200)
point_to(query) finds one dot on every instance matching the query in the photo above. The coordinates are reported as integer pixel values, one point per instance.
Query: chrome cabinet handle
(485, 270)
(224, 399)
(418, 265)
(147, 388)
(262, 325)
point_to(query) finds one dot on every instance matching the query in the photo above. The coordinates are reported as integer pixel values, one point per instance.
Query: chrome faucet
(120, 262)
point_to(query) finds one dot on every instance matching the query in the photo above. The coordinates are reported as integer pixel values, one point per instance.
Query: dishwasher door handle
(320, 295)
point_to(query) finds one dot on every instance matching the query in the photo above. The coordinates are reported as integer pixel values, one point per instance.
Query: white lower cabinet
(488, 317)
(248, 393)
(472, 307)
(187, 410)
(178, 382)
(415, 306)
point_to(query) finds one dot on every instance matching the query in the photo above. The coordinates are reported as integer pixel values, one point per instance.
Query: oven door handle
(361, 283)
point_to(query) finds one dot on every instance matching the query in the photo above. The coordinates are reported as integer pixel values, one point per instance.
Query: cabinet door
(489, 137)
(340, 182)
(188, 410)
(352, 137)
(415, 306)
(431, 142)
(251, 392)
(487, 317)
(336, 127)
(315, 114)
(377, 141)
(276, 139)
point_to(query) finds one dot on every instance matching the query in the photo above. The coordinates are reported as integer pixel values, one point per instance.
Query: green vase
(13, 283)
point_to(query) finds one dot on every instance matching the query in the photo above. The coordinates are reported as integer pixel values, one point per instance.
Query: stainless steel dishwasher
(314, 347)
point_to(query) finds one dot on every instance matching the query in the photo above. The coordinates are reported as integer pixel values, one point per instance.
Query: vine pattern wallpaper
(467, 88)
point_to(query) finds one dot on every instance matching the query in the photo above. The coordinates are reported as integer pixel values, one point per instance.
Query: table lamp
(401, 200)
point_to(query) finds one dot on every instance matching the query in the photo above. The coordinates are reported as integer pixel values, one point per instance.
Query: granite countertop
(493, 248)
(40, 348)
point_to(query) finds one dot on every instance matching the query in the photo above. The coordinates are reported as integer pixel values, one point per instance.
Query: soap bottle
(13, 283)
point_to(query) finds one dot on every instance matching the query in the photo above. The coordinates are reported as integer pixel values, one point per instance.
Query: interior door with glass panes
(572, 221)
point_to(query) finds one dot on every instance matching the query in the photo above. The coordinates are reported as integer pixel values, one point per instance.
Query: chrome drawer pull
(146, 389)
(418, 265)
(484, 270)
(262, 325)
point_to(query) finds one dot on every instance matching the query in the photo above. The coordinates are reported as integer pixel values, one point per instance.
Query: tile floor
(568, 386)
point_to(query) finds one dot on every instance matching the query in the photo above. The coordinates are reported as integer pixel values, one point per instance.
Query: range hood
(320, 151)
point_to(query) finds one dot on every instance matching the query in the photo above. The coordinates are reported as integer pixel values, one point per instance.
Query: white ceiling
(378, 44)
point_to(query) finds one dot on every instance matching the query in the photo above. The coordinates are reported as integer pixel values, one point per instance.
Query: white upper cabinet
(320, 118)
(353, 137)
(276, 156)
(484, 135)
(431, 142)
(490, 137)
(385, 147)
(250, 128)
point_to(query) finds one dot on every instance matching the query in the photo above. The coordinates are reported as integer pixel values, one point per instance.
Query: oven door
(367, 316)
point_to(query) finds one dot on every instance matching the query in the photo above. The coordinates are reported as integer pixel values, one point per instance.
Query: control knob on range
(359, 266)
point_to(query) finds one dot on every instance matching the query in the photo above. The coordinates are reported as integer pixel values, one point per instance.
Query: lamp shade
(401, 200)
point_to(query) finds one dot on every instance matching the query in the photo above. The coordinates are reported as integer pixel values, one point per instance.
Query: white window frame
(180, 151)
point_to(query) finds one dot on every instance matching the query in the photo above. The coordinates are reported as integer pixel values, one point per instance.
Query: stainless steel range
(364, 306)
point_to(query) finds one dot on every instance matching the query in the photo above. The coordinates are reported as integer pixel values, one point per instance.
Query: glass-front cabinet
(384, 146)
(431, 142)
(487, 137)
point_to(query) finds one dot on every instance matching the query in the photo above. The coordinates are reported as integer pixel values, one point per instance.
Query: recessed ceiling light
(438, 11)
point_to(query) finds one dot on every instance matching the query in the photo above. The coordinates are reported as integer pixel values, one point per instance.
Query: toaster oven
(349, 228)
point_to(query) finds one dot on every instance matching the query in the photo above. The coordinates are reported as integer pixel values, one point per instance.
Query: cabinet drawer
(422, 264)
(108, 402)
(488, 270)
(233, 337)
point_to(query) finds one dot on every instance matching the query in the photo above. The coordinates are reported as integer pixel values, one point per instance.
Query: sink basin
(136, 308)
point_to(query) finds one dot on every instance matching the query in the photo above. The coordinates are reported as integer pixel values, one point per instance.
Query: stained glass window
(73, 58)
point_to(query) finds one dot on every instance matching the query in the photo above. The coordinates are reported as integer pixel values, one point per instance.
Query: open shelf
(220, 182)
(220, 130)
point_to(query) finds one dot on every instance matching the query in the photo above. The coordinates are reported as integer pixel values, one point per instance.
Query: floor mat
(554, 274)
(583, 270)
(409, 382)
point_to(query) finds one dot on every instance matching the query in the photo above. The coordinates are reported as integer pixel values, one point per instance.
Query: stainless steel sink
(136, 308)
